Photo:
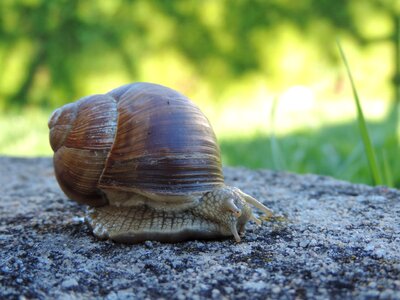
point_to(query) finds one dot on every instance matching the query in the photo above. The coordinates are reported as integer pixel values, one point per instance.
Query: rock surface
(336, 240)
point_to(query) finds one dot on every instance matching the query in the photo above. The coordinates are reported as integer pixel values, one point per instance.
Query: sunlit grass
(319, 137)
(24, 133)
(364, 133)
(334, 150)
(244, 109)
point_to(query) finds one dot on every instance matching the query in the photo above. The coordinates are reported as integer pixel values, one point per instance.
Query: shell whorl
(60, 124)
(142, 138)
(81, 135)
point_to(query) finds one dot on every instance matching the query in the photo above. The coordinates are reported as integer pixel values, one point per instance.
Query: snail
(145, 159)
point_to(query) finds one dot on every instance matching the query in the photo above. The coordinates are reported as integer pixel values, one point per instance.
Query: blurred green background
(266, 73)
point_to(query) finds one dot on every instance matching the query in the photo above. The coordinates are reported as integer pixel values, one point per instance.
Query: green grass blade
(387, 170)
(369, 150)
(277, 158)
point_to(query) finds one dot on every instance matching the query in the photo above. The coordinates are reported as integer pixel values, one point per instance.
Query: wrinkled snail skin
(146, 161)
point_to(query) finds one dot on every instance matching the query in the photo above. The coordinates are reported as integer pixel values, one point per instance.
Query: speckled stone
(336, 240)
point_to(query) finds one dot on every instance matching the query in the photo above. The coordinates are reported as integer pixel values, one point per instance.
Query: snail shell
(146, 159)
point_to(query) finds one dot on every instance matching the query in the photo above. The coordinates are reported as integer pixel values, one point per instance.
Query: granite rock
(334, 240)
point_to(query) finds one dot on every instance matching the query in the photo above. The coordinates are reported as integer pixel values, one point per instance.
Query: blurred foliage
(53, 51)
(332, 150)
(231, 57)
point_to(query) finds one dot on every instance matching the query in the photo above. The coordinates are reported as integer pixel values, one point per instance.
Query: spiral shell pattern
(140, 138)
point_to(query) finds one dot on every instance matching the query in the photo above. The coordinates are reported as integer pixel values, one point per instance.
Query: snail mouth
(141, 223)
(237, 224)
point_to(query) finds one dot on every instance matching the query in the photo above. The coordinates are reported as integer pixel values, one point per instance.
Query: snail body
(146, 161)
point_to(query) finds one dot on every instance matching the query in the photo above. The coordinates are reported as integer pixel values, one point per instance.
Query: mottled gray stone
(336, 240)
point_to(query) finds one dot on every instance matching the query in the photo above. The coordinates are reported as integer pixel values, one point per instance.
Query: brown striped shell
(140, 138)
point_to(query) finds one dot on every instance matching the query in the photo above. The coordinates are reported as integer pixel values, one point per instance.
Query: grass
(369, 150)
(24, 133)
(334, 149)
(278, 159)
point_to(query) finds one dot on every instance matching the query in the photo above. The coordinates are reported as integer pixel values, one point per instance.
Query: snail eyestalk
(256, 203)
(230, 206)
